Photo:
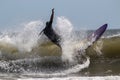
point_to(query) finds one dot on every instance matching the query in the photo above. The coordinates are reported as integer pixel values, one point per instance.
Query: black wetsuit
(50, 33)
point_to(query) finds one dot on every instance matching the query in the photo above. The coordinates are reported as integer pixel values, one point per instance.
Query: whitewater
(25, 55)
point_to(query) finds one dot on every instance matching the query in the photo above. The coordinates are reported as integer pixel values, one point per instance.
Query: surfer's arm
(41, 32)
(52, 15)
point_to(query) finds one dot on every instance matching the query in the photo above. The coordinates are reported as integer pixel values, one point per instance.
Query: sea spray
(28, 37)
(16, 44)
(64, 27)
(69, 39)
(26, 43)
(98, 47)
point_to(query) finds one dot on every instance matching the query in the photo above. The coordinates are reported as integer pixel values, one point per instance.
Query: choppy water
(25, 55)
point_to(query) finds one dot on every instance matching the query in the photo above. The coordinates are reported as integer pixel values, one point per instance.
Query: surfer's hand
(53, 10)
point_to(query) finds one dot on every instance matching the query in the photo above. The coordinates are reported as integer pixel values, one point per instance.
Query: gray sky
(88, 14)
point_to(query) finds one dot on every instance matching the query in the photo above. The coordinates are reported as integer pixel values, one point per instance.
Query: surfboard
(97, 34)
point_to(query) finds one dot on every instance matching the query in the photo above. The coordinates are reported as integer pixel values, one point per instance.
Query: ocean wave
(26, 52)
(16, 50)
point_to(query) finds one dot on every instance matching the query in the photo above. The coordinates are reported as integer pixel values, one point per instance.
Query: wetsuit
(50, 33)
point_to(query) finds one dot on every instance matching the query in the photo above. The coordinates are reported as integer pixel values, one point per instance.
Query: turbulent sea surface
(25, 55)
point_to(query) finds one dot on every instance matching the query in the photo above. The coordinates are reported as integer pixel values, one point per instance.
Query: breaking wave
(24, 51)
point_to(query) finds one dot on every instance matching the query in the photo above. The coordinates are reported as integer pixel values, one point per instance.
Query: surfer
(49, 31)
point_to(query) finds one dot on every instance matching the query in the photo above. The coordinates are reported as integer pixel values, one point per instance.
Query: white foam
(77, 78)
(27, 38)
(66, 72)
(114, 35)
(70, 42)
(99, 46)
(64, 26)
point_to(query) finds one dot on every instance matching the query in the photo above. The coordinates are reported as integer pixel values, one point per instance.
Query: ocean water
(26, 56)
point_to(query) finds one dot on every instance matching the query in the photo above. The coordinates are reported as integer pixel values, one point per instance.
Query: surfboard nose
(105, 26)
(98, 33)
